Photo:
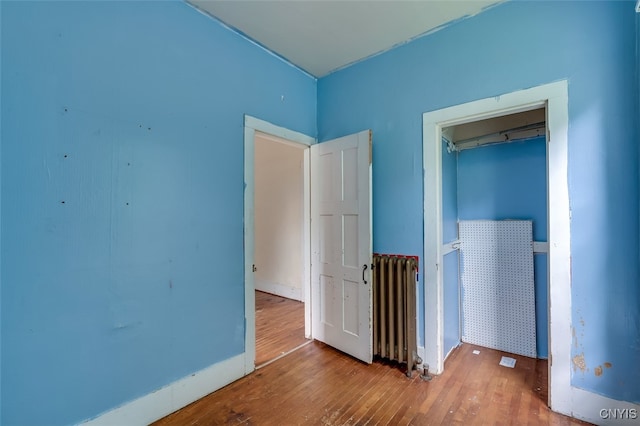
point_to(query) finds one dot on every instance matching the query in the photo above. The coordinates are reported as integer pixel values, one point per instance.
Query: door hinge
(253, 267)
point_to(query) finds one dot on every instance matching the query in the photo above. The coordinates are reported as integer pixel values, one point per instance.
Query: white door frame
(554, 97)
(251, 126)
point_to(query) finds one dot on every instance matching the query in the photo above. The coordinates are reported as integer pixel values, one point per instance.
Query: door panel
(341, 244)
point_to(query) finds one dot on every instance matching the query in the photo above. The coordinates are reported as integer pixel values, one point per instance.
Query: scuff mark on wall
(578, 363)
(598, 370)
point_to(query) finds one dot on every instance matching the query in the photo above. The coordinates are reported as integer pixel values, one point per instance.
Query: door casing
(251, 126)
(554, 97)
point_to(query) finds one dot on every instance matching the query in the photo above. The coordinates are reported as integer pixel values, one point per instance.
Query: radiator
(394, 309)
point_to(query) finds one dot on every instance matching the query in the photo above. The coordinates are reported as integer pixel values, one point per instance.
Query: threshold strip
(282, 355)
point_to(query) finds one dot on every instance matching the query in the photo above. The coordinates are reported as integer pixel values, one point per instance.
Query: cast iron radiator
(394, 309)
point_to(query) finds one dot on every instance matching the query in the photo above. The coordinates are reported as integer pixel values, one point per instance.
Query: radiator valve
(424, 375)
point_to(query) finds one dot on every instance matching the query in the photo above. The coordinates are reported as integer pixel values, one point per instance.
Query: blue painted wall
(513, 46)
(509, 181)
(122, 198)
(451, 296)
(505, 181)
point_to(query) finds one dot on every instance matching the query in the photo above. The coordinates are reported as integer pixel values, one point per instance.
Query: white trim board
(554, 97)
(450, 247)
(290, 137)
(540, 247)
(277, 131)
(452, 349)
(164, 401)
(590, 408)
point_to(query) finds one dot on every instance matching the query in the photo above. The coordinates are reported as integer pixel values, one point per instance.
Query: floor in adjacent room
(279, 326)
(320, 385)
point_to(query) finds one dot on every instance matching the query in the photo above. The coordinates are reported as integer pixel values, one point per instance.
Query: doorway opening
(278, 287)
(553, 98)
(494, 170)
(279, 246)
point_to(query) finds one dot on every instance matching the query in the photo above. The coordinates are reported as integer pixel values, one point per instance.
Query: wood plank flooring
(279, 326)
(317, 385)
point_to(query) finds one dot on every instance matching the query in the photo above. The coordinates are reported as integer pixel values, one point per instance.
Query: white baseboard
(451, 350)
(280, 290)
(178, 394)
(600, 410)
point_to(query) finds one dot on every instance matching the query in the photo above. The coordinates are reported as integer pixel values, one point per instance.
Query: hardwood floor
(317, 385)
(279, 326)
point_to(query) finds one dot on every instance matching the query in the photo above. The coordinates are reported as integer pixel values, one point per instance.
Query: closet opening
(495, 216)
(495, 227)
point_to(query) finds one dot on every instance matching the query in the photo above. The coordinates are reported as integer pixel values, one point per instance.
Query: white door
(341, 247)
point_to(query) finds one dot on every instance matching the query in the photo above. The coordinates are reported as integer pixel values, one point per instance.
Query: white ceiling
(321, 36)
